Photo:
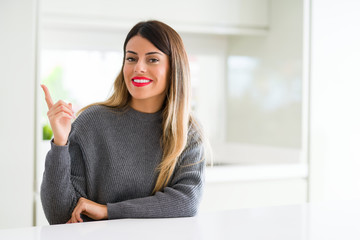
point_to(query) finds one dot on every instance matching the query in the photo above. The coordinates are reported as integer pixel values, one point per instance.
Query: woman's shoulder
(92, 121)
(90, 112)
(94, 109)
(195, 132)
(92, 115)
(195, 146)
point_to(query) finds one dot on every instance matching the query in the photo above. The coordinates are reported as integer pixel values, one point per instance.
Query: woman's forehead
(140, 44)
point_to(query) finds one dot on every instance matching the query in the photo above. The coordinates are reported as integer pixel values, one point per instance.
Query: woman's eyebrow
(149, 53)
(128, 51)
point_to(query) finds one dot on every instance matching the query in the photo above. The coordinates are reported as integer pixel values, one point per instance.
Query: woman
(140, 153)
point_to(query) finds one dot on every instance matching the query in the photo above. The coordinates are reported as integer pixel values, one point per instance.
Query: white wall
(201, 16)
(279, 54)
(265, 94)
(335, 100)
(219, 196)
(17, 93)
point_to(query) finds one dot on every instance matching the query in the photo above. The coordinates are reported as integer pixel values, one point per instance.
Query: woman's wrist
(60, 143)
(105, 210)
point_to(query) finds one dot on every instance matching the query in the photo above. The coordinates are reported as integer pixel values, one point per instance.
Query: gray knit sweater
(111, 158)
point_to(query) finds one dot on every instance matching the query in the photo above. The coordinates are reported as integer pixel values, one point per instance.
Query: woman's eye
(153, 60)
(130, 59)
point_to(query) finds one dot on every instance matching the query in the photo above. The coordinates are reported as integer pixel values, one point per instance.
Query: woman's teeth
(141, 80)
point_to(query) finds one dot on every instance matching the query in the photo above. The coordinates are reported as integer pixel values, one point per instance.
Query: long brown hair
(177, 116)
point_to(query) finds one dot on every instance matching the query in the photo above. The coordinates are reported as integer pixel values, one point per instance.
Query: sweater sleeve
(63, 181)
(179, 199)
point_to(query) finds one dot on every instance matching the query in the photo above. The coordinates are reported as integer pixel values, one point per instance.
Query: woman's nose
(140, 67)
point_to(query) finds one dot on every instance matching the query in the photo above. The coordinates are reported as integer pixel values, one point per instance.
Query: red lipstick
(141, 81)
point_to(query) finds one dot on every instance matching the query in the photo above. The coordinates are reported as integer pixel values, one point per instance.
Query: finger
(62, 103)
(60, 115)
(60, 108)
(76, 213)
(73, 218)
(48, 98)
(78, 217)
(79, 211)
(71, 108)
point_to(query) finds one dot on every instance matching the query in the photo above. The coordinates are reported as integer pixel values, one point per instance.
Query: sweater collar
(148, 117)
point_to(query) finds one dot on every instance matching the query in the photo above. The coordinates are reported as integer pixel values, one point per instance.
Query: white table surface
(309, 221)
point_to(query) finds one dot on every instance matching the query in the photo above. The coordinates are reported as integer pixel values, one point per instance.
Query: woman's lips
(141, 81)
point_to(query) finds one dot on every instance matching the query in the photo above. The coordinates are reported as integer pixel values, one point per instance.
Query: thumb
(70, 105)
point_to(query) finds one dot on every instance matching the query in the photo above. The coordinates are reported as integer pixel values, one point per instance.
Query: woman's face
(146, 72)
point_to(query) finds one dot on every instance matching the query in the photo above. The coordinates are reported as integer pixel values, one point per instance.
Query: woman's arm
(63, 181)
(89, 208)
(179, 199)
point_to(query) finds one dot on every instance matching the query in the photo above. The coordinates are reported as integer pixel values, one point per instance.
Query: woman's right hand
(60, 115)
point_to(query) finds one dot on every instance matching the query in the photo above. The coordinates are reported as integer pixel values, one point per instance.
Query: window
(81, 77)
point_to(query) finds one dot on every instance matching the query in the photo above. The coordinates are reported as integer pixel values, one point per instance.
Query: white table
(308, 221)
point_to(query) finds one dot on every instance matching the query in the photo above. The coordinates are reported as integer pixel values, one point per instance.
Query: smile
(141, 81)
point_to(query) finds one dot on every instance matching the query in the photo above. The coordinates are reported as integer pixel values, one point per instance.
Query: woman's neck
(146, 105)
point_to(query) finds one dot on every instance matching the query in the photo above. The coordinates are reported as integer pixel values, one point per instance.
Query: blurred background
(275, 84)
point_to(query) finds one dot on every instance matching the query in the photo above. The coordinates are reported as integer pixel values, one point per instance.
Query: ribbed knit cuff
(58, 155)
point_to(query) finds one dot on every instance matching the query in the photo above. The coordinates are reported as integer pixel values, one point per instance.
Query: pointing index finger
(48, 98)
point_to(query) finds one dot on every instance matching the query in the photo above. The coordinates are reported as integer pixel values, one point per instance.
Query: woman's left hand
(89, 208)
